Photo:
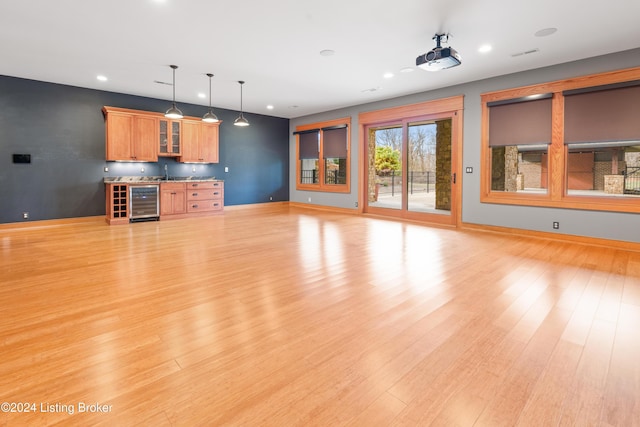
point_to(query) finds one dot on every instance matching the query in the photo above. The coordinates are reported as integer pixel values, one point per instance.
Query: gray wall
(63, 129)
(608, 225)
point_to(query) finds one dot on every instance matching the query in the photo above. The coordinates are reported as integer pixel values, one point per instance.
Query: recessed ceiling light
(545, 32)
(269, 107)
(485, 48)
(327, 52)
(407, 70)
(202, 95)
(387, 75)
(102, 78)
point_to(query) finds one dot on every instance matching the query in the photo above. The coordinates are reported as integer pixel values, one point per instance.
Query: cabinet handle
(215, 193)
(194, 206)
(194, 185)
(194, 194)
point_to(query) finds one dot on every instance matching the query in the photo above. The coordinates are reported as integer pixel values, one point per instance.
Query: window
(323, 156)
(309, 149)
(519, 138)
(335, 152)
(602, 136)
(569, 144)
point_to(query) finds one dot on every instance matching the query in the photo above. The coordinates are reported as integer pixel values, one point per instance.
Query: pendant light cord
(174, 112)
(174, 85)
(210, 75)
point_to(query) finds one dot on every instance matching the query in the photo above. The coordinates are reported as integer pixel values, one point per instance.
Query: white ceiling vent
(526, 52)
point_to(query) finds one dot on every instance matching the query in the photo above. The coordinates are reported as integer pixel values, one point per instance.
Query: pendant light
(174, 112)
(241, 121)
(209, 117)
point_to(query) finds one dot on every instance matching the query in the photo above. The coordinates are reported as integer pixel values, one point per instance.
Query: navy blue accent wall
(63, 129)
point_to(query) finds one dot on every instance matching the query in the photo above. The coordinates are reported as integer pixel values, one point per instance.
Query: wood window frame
(322, 185)
(556, 195)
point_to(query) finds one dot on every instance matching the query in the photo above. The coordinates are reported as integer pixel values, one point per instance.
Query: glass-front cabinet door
(169, 138)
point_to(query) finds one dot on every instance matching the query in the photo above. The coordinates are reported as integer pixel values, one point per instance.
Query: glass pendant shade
(173, 112)
(241, 121)
(209, 117)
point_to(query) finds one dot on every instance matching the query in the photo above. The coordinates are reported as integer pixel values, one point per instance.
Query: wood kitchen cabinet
(210, 142)
(191, 198)
(117, 203)
(205, 196)
(173, 200)
(170, 138)
(178, 199)
(200, 142)
(142, 136)
(130, 136)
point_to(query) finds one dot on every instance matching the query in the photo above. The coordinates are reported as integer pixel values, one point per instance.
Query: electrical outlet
(309, 199)
(25, 215)
(271, 198)
(106, 169)
(226, 169)
(356, 204)
(556, 225)
(469, 169)
(193, 169)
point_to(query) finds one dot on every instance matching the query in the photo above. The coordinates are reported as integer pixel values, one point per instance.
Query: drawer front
(204, 185)
(205, 194)
(204, 205)
(171, 186)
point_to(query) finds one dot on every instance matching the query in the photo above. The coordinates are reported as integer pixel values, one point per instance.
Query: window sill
(327, 188)
(590, 203)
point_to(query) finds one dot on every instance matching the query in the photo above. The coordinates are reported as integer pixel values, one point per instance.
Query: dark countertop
(158, 179)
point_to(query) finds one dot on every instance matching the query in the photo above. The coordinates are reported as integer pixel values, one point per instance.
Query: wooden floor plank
(380, 413)
(584, 402)
(282, 315)
(621, 402)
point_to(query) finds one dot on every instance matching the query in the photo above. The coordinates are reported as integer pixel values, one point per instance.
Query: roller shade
(520, 122)
(334, 142)
(308, 144)
(602, 114)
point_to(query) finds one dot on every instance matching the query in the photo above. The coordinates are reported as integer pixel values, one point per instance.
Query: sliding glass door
(429, 167)
(386, 166)
(410, 169)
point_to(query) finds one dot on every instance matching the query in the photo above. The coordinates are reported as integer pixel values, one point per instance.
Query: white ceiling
(275, 45)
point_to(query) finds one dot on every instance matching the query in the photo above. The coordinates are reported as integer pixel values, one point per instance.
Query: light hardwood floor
(281, 316)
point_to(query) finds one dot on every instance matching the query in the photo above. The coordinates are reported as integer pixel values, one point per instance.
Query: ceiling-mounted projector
(439, 57)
